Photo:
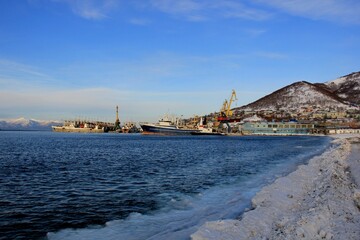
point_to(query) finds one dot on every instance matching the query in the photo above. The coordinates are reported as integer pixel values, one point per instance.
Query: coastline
(320, 200)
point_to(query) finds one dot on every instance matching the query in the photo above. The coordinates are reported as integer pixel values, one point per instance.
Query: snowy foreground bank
(320, 200)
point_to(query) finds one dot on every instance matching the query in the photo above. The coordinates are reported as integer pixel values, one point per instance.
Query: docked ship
(129, 127)
(79, 127)
(206, 130)
(165, 126)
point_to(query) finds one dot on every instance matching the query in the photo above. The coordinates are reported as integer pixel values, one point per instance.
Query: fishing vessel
(166, 126)
(79, 127)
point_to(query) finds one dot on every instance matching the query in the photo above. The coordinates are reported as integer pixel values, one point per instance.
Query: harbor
(230, 121)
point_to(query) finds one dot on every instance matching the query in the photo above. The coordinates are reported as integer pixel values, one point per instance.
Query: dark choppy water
(113, 186)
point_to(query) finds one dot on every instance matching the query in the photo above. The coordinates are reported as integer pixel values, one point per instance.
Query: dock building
(277, 128)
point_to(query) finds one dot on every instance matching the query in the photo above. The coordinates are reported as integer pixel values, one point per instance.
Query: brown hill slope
(297, 95)
(346, 87)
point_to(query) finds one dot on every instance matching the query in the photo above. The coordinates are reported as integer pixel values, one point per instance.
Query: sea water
(118, 186)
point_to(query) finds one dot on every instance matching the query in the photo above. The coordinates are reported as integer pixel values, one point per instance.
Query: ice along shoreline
(320, 200)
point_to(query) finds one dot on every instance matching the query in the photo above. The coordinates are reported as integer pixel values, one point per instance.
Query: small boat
(129, 127)
(204, 130)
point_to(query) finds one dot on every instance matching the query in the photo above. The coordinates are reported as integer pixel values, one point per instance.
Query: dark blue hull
(153, 129)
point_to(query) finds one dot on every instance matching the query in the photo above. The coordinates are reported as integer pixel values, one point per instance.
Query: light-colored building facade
(277, 128)
(344, 131)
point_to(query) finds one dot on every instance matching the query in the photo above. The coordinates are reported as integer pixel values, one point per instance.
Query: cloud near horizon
(53, 104)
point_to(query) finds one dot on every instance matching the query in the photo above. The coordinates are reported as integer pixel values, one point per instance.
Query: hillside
(298, 95)
(336, 95)
(346, 87)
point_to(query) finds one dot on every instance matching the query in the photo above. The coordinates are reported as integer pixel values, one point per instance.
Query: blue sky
(62, 59)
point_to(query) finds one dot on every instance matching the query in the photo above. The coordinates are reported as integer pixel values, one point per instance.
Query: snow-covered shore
(320, 200)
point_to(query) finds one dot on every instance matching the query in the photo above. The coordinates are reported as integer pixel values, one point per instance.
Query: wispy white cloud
(237, 9)
(7, 65)
(345, 11)
(19, 75)
(91, 9)
(177, 7)
(201, 10)
(191, 10)
(160, 69)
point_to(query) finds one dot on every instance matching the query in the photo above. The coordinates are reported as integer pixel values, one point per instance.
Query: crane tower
(117, 121)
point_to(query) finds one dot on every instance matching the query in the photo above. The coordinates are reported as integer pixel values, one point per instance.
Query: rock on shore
(319, 200)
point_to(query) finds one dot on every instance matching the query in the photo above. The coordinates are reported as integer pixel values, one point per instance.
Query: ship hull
(161, 130)
(77, 130)
(208, 133)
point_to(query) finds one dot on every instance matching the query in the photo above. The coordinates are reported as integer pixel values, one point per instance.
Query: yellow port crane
(225, 111)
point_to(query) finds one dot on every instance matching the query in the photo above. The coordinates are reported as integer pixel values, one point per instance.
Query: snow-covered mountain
(27, 124)
(346, 87)
(338, 95)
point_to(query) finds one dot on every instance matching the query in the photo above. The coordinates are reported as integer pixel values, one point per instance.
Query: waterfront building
(277, 128)
(343, 131)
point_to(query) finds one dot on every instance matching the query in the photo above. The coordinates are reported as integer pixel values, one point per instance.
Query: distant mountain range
(338, 95)
(27, 124)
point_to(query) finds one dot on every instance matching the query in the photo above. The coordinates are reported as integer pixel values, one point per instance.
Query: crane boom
(225, 110)
(232, 99)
